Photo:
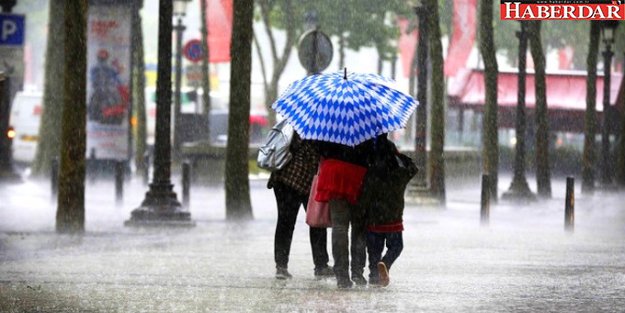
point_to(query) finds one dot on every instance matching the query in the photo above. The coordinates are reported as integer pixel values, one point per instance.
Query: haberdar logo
(562, 10)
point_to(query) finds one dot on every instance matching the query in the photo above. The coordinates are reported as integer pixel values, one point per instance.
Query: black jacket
(384, 185)
(356, 155)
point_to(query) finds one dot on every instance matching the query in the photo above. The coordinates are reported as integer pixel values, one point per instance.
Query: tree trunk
(543, 171)
(279, 63)
(490, 152)
(341, 50)
(238, 204)
(590, 119)
(206, 99)
(48, 145)
(70, 215)
(380, 61)
(437, 158)
(419, 67)
(139, 93)
(412, 76)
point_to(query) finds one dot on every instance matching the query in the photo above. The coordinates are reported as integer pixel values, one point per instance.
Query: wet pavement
(524, 261)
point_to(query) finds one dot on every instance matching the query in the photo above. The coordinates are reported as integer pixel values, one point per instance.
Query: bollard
(146, 168)
(569, 205)
(186, 183)
(91, 166)
(119, 182)
(54, 178)
(485, 201)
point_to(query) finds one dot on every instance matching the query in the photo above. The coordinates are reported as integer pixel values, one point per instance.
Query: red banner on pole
(463, 36)
(219, 25)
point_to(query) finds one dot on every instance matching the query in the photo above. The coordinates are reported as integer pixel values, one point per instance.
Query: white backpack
(274, 153)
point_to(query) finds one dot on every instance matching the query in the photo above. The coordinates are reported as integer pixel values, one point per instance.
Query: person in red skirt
(340, 177)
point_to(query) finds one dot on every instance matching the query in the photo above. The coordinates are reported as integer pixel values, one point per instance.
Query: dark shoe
(282, 273)
(343, 282)
(374, 281)
(384, 278)
(359, 279)
(325, 271)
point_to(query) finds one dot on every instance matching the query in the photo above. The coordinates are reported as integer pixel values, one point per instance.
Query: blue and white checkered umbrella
(344, 108)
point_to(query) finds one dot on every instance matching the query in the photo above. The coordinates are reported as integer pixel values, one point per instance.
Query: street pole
(7, 5)
(519, 189)
(206, 86)
(179, 28)
(606, 168)
(161, 206)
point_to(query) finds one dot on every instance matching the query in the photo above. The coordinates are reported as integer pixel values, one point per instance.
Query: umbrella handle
(345, 73)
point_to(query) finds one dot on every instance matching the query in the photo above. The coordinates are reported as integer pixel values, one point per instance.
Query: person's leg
(394, 246)
(375, 245)
(288, 207)
(359, 244)
(319, 246)
(339, 213)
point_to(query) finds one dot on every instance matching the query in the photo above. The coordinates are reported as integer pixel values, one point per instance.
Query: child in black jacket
(383, 198)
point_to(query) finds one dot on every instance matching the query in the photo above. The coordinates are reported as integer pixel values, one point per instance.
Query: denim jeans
(289, 201)
(343, 215)
(375, 245)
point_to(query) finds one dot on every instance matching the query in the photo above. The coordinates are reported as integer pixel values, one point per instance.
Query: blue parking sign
(11, 30)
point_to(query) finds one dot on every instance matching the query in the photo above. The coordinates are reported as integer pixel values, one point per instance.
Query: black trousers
(289, 201)
(375, 246)
(343, 215)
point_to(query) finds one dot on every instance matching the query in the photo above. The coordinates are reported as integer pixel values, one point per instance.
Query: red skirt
(339, 180)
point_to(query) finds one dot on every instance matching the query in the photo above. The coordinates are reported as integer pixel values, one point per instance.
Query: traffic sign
(192, 50)
(315, 51)
(11, 30)
(194, 75)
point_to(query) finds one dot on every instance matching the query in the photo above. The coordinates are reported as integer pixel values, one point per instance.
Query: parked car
(218, 122)
(192, 126)
(25, 116)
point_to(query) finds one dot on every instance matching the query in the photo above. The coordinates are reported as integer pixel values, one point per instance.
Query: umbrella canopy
(344, 108)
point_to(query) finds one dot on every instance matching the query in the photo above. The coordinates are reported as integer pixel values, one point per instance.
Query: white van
(25, 116)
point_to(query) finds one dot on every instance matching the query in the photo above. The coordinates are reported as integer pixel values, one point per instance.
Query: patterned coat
(299, 172)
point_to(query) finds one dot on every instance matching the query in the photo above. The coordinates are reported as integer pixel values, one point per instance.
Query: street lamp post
(180, 7)
(607, 32)
(161, 206)
(519, 189)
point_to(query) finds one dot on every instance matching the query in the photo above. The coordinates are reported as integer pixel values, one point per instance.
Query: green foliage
(365, 23)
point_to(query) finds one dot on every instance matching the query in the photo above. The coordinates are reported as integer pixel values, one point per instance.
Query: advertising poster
(108, 81)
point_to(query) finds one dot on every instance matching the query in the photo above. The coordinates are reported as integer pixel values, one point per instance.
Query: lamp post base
(519, 191)
(160, 209)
